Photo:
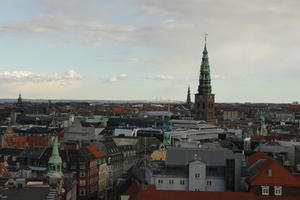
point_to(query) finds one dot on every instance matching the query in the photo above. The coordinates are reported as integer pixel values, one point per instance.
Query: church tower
(204, 99)
(188, 98)
(54, 163)
(19, 102)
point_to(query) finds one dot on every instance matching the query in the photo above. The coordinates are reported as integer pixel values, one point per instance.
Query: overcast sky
(149, 50)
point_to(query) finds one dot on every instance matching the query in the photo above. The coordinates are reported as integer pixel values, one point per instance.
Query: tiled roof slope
(144, 192)
(279, 175)
(95, 151)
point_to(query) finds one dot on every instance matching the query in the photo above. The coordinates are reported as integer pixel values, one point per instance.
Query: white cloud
(34, 77)
(116, 78)
(78, 30)
(39, 85)
(161, 77)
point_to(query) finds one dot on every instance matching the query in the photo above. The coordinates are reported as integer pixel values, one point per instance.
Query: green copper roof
(55, 158)
(204, 79)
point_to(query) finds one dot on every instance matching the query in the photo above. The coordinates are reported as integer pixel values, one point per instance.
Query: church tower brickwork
(204, 99)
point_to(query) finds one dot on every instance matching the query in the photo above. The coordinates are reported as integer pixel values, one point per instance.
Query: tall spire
(204, 79)
(205, 39)
(188, 98)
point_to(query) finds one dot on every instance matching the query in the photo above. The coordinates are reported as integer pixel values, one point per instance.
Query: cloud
(246, 40)
(75, 28)
(34, 77)
(117, 78)
(40, 85)
(161, 77)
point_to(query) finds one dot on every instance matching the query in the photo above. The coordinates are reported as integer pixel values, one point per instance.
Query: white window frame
(265, 190)
(171, 181)
(160, 181)
(82, 182)
(82, 174)
(278, 190)
(82, 192)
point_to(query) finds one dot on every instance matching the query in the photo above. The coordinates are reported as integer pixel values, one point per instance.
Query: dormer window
(277, 190)
(265, 190)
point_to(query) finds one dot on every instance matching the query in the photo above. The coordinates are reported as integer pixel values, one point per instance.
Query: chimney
(269, 172)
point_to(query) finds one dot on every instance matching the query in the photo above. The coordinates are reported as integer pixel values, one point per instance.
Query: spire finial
(205, 40)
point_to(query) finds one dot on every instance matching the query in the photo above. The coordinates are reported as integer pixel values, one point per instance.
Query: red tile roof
(144, 192)
(279, 175)
(95, 151)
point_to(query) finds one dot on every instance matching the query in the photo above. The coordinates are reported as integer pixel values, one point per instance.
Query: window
(160, 181)
(82, 192)
(82, 183)
(182, 182)
(265, 190)
(82, 174)
(208, 182)
(277, 190)
(171, 181)
(197, 175)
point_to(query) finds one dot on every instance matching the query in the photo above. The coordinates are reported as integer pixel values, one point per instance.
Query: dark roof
(32, 193)
(10, 151)
(33, 152)
(212, 157)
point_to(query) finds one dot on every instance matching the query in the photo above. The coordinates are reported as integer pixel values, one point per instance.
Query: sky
(149, 50)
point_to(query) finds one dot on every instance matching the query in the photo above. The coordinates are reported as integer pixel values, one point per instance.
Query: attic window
(265, 190)
(277, 190)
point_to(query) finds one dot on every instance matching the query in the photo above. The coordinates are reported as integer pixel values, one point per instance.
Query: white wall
(197, 176)
(171, 183)
(215, 184)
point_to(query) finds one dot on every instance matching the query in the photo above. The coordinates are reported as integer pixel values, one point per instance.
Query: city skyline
(137, 50)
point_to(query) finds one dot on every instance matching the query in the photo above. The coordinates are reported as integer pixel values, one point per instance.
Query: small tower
(188, 98)
(263, 127)
(204, 99)
(54, 164)
(19, 102)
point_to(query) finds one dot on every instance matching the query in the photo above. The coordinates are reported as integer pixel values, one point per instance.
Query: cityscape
(161, 102)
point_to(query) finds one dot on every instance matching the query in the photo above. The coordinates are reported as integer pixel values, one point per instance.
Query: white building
(197, 170)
